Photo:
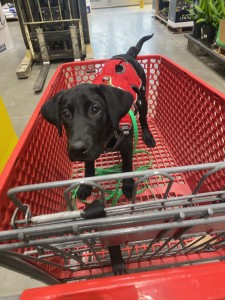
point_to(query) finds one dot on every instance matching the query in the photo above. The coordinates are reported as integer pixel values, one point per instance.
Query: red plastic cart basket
(177, 220)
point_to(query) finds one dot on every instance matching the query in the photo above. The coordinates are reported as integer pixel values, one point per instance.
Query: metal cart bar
(40, 186)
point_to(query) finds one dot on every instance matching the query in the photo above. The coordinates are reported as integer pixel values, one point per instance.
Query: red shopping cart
(174, 220)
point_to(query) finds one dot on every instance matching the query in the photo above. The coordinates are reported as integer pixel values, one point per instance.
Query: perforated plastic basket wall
(186, 118)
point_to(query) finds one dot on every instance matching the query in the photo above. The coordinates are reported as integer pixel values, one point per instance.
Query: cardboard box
(6, 43)
(2, 18)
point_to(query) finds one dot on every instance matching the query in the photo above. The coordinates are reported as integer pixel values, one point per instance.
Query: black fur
(91, 112)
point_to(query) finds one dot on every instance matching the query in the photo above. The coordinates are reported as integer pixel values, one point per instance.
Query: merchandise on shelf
(9, 11)
(179, 11)
(164, 9)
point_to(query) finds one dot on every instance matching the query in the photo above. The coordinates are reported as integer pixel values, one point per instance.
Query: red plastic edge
(191, 282)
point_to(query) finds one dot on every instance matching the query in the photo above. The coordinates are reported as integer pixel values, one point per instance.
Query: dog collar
(114, 140)
(116, 137)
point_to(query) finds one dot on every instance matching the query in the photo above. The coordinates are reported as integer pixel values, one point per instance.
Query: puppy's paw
(127, 188)
(149, 139)
(119, 269)
(84, 191)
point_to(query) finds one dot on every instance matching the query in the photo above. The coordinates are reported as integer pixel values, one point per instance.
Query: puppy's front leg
(85, 190)
(128, 184)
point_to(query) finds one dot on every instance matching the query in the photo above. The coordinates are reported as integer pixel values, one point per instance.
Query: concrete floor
(112, 31)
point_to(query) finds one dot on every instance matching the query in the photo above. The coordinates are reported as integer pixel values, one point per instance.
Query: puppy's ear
(118, 101)
(50, 111)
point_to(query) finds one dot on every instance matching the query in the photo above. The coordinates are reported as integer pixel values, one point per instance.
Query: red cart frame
(178, 221)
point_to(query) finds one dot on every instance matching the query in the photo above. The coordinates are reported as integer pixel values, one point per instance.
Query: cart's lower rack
(172, 231)
(149, 240)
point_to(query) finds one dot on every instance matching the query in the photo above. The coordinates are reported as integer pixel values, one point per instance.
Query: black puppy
(91, 114)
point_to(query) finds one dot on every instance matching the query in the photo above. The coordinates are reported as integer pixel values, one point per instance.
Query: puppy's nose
(78, 148)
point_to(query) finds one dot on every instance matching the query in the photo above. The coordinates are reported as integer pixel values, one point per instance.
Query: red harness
(124, 79)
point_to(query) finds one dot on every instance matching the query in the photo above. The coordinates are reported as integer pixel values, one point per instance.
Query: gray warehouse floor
(112, 31)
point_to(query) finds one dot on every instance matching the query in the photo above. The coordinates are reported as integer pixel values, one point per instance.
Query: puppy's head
(87, 112)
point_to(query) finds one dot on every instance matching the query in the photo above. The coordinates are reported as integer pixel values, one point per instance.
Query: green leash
(117, 192)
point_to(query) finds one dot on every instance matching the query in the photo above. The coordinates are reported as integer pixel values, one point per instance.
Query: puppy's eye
(66, 114)
(94, 110)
